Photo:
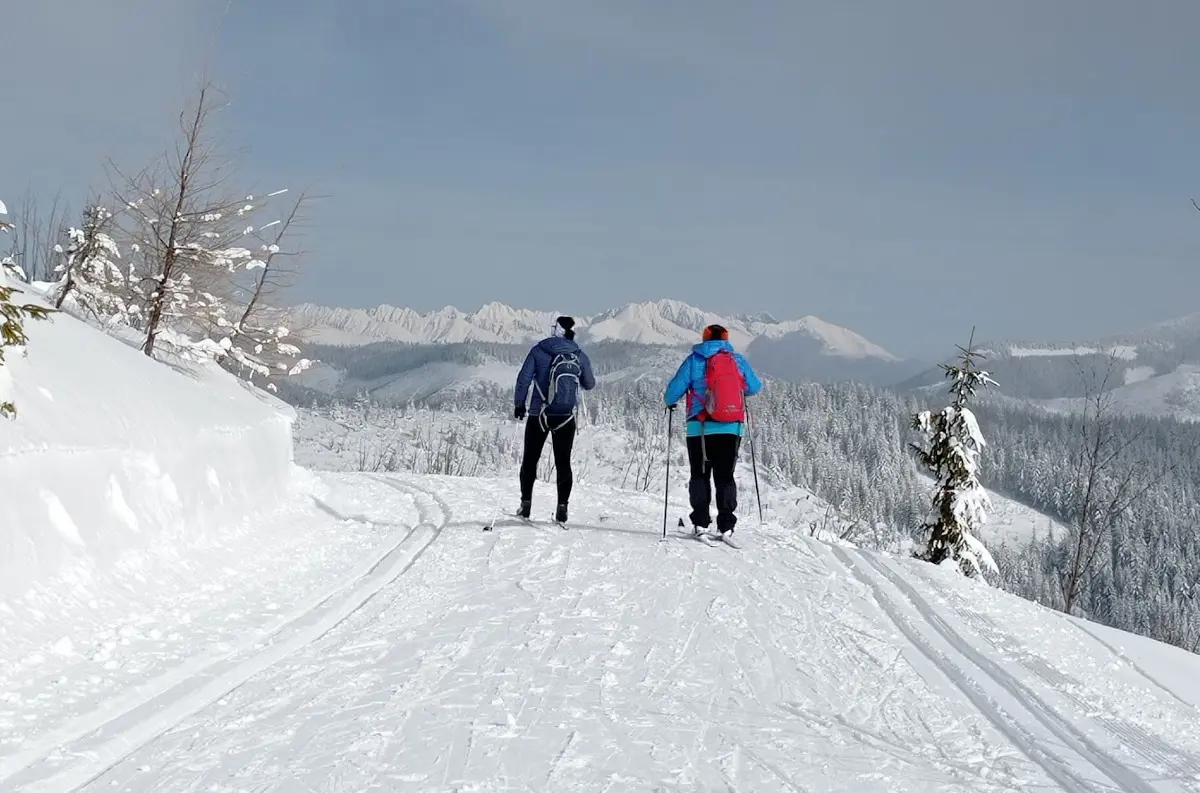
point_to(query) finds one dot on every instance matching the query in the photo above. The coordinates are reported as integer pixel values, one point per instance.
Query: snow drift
(111, 451)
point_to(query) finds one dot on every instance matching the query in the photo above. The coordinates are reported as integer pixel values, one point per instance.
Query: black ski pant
(562, 439)
(721, 450)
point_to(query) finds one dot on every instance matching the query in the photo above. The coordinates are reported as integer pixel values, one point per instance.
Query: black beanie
(566, 323)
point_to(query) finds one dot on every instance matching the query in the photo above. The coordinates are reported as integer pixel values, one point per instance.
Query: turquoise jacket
(690, 377)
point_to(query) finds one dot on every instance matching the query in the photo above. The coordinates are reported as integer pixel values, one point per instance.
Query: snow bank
(112, 452)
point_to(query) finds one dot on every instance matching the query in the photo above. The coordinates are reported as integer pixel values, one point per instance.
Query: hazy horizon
(905, 172)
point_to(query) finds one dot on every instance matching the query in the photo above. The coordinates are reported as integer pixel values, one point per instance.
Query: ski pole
(753, 463)
(667, 484)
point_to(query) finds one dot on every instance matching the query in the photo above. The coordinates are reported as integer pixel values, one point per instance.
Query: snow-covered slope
(1151, 370)
(1174, 394)
(660, 322)
(599, 658)
(112, 451)
(152, 522)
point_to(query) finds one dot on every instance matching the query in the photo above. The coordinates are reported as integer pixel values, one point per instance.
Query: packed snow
(601, 658)
(223, 620)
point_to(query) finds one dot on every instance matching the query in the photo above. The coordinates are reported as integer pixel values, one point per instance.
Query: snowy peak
(663, 322)
(835, 339)
(658, 322)
(493, 322)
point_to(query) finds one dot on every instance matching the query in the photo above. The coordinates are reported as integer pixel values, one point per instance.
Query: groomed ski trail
(600, 659)
(1073, 755)
(103, 738)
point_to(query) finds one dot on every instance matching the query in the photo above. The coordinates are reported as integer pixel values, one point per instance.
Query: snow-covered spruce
(91, 282)
(960, 502)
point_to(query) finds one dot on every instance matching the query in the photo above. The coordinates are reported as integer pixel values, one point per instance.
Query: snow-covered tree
(182, 224)
(202, 265)
(32, 232)
(954, 443)
(89, 276)
(12, 315)
(259, 341)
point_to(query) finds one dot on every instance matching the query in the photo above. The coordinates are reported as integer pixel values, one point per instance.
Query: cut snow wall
(112, 452)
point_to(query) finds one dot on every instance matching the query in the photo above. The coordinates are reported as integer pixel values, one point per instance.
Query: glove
(519, 412)
(671, 407)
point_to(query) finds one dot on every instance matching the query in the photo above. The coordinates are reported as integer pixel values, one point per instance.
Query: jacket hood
(556, 345)
(707, 349)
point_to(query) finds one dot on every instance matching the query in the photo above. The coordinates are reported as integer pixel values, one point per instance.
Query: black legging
(562, 440)
(721, 449)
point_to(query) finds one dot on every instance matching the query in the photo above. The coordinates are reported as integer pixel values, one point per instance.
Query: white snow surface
(1175, 394)
(221, 621)
(599, 658)
(112, 452)
(659, 322)
(1137, 374)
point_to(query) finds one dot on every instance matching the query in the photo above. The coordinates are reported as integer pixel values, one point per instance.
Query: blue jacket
(537, 370)
(690, 377)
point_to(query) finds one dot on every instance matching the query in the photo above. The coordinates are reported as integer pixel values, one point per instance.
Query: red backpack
(725, 400)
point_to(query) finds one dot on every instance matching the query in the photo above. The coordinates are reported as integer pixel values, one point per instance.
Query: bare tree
(200, 289)
(1106, 480)
(181, 221)
(260, 340)
(34, 236)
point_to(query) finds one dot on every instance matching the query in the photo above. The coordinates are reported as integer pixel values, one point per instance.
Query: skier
(716, 379)
(556, 368)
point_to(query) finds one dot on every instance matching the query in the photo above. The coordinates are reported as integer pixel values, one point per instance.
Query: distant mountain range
(1150, 371)
(401, 353)
(659, 322)
(807, 348)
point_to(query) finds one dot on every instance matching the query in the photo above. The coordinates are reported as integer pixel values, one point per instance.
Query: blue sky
(906, 170)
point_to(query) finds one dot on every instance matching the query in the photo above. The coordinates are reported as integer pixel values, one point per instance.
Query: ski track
(1024, 714)
(522, 659)
(101, 740)
(1137, 668)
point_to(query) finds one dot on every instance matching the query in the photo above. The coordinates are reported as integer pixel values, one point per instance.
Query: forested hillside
(848, 443)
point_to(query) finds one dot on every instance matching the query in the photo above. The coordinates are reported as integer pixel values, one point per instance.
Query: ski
(509, 521)
(515, 519)
(726, 539)
(707, 537)
(701, 537)
(561, 524)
